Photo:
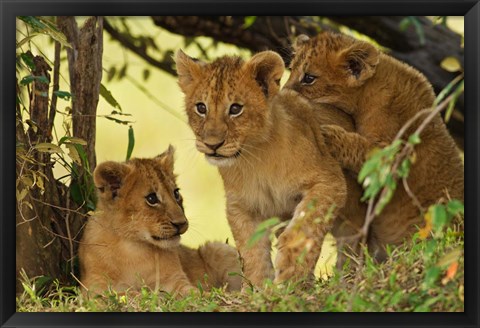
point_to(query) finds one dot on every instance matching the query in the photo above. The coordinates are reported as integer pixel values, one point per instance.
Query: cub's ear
(188, 68)
(109, 177)
(267, 68)
(360, 60)
(300, 42)
(166, 159)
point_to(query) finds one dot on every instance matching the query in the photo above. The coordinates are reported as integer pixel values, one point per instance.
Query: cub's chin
(220, 161)
(170, 242)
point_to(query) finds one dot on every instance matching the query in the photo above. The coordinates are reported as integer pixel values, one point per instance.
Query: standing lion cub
(271, 156)
(381, 94)
(134, 237)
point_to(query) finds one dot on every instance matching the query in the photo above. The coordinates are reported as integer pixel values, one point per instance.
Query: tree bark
(85, 68)
(38, 250)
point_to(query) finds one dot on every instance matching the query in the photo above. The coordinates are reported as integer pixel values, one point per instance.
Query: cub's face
(141, 200)
(227, 102)
(329, 67)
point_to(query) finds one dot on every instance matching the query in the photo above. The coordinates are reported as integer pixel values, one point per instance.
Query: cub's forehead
(151, 172)
(223, 69)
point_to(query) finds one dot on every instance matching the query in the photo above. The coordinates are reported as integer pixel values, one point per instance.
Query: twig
(56, 78)
(412, 195)
(69, 234)
(374, 202)
(139, 51)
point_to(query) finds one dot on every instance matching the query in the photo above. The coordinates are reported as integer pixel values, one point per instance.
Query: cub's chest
(270, 197)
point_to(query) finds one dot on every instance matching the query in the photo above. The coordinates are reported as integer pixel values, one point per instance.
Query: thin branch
(56, 82)
(139, 51)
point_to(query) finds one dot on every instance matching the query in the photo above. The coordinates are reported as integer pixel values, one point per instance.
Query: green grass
(414, 278)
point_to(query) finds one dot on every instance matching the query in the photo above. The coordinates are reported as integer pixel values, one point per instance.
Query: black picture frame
(9, 9)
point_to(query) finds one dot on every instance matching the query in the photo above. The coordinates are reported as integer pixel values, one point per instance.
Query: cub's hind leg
(222, 264)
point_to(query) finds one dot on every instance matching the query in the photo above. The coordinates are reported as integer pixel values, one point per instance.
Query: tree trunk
(48, 221)
(85, 67)
(38, 250)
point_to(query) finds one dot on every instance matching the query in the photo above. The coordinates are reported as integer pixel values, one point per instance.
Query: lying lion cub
(133, 238)
(381, 94)
(271, 155)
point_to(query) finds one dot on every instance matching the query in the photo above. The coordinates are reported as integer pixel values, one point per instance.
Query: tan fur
(381, 94)
(129, 243)
(274, 164)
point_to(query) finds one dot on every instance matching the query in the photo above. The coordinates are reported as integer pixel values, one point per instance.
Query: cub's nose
(181, 226)
(215, 146)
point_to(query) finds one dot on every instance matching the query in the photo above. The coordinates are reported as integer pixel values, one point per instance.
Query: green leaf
(27, 58)
(107, 95)
(451, 64)
(445, 91)
(63, 94)
(146, 74)
(72, 140)
(439, 216)
(116, 120)
(32, 21)
(27, 80)
(455, 207)
(122, 72)
(262, 230)
(43, 25)
(248, 21)
(76, 192)
(404, 24)
(111, 73)
(131, 142)
(368, 167)
(30, 78)
(414, 139)
(268, 223)
(404, 168)
(431, 277)
(73, 153)
(46, 147)
(26, 39)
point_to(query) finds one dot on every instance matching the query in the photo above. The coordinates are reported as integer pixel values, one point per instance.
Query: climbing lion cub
(381, 94)
(271, 156)
(134, 237)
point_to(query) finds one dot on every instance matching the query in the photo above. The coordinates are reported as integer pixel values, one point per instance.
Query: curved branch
(139, 51)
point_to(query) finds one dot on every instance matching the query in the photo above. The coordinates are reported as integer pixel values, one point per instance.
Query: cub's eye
(177, 195)
(152, 199)
(235, 110)
(201, 109)
(308, 79)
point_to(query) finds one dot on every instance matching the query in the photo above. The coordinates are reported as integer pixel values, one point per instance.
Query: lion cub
(271, 156)
(381, 94)
(134, 237)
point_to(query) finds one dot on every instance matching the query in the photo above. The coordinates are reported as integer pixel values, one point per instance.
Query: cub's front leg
(169, 275)
(257, 264)
(348, 148)
(300, 244)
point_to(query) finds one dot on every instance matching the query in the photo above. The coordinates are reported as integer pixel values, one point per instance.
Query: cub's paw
(293, 261)
(332, 134)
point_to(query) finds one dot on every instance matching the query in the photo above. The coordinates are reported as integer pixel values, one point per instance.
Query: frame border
(10, 9)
